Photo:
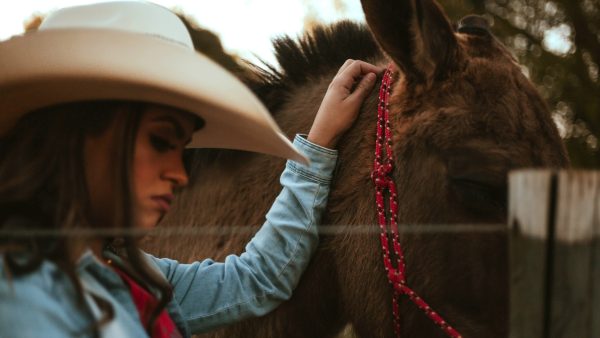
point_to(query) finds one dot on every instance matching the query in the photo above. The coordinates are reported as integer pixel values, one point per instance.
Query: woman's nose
(177, 174)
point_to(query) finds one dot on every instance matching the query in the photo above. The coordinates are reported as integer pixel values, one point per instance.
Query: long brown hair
(43, 187)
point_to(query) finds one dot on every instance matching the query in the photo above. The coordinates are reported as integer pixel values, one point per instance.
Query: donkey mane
(313, 54)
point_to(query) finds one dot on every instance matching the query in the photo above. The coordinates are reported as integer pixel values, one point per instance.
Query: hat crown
(130, 16)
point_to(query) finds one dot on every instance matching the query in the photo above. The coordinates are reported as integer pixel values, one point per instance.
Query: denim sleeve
(212, 294)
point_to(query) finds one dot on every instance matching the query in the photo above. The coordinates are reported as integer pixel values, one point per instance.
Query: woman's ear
(417, 36)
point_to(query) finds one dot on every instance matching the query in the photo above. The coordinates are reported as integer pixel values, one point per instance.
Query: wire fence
(216, 230)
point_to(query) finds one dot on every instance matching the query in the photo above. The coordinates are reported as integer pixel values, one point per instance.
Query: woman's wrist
(321, 140)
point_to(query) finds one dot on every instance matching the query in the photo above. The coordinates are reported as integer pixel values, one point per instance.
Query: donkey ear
(416, 34)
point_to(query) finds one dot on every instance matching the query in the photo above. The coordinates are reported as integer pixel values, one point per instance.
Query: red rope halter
(381, 175)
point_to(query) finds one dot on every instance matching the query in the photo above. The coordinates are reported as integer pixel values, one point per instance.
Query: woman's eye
(161, 144)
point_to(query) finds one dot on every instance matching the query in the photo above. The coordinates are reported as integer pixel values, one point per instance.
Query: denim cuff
(322, 161)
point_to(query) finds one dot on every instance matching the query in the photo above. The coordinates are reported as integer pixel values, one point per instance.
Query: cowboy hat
(132, 51)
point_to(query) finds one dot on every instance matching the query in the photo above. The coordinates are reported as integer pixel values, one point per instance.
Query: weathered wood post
(554, 253)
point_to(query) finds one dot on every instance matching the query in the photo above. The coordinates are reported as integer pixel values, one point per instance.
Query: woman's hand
(342, 102)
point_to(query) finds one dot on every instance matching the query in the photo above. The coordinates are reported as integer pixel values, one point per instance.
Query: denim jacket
(207, 294)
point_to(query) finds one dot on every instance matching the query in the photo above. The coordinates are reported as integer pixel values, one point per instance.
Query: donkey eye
(480, 197)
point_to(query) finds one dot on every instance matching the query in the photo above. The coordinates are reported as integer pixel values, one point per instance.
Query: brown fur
(463, 115)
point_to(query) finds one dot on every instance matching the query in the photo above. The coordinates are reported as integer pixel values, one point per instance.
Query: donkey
(463, 116)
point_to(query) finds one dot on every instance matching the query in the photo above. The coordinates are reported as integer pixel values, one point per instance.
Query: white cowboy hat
(132, 51)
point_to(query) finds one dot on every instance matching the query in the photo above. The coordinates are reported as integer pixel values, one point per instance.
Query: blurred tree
(558, 43)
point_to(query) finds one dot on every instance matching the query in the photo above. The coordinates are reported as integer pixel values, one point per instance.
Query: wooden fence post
(554, 257)
(529, 199)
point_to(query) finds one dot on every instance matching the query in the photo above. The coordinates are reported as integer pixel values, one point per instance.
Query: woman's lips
(163, 202)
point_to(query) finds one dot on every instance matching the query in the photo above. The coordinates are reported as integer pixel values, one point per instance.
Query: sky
(246, 27)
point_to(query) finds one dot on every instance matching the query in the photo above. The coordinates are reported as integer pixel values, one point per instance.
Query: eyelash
(161, 144)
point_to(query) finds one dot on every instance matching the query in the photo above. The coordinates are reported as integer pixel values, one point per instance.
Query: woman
(96, 109)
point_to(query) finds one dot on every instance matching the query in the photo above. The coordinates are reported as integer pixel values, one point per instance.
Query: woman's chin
(148, 222)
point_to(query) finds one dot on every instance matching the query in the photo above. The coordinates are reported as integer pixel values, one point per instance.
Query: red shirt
(164, 327)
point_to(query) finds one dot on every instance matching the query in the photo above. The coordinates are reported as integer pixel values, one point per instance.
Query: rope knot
(395, 278)
(380, 177)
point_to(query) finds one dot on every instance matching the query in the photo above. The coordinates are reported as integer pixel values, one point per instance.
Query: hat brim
(65, 65)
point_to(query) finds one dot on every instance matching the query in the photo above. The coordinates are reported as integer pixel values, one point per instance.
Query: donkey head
(463, 115)
(461, 99)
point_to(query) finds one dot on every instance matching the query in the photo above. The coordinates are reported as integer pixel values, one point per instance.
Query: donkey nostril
(474, 24)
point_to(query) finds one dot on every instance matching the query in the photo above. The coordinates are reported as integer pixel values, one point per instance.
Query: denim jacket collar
(89, 265)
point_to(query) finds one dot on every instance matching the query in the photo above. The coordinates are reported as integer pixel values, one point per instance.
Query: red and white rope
(384, 183)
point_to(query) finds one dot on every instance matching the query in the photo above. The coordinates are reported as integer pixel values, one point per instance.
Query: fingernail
(371, 77)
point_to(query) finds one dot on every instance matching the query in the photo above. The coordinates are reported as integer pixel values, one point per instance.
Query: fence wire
(216, 230)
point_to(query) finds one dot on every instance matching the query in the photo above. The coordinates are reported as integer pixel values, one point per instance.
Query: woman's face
(157, 168)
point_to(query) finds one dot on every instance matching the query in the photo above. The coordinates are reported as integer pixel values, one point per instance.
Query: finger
(363, 88)
(345, 65)
(356, 70)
